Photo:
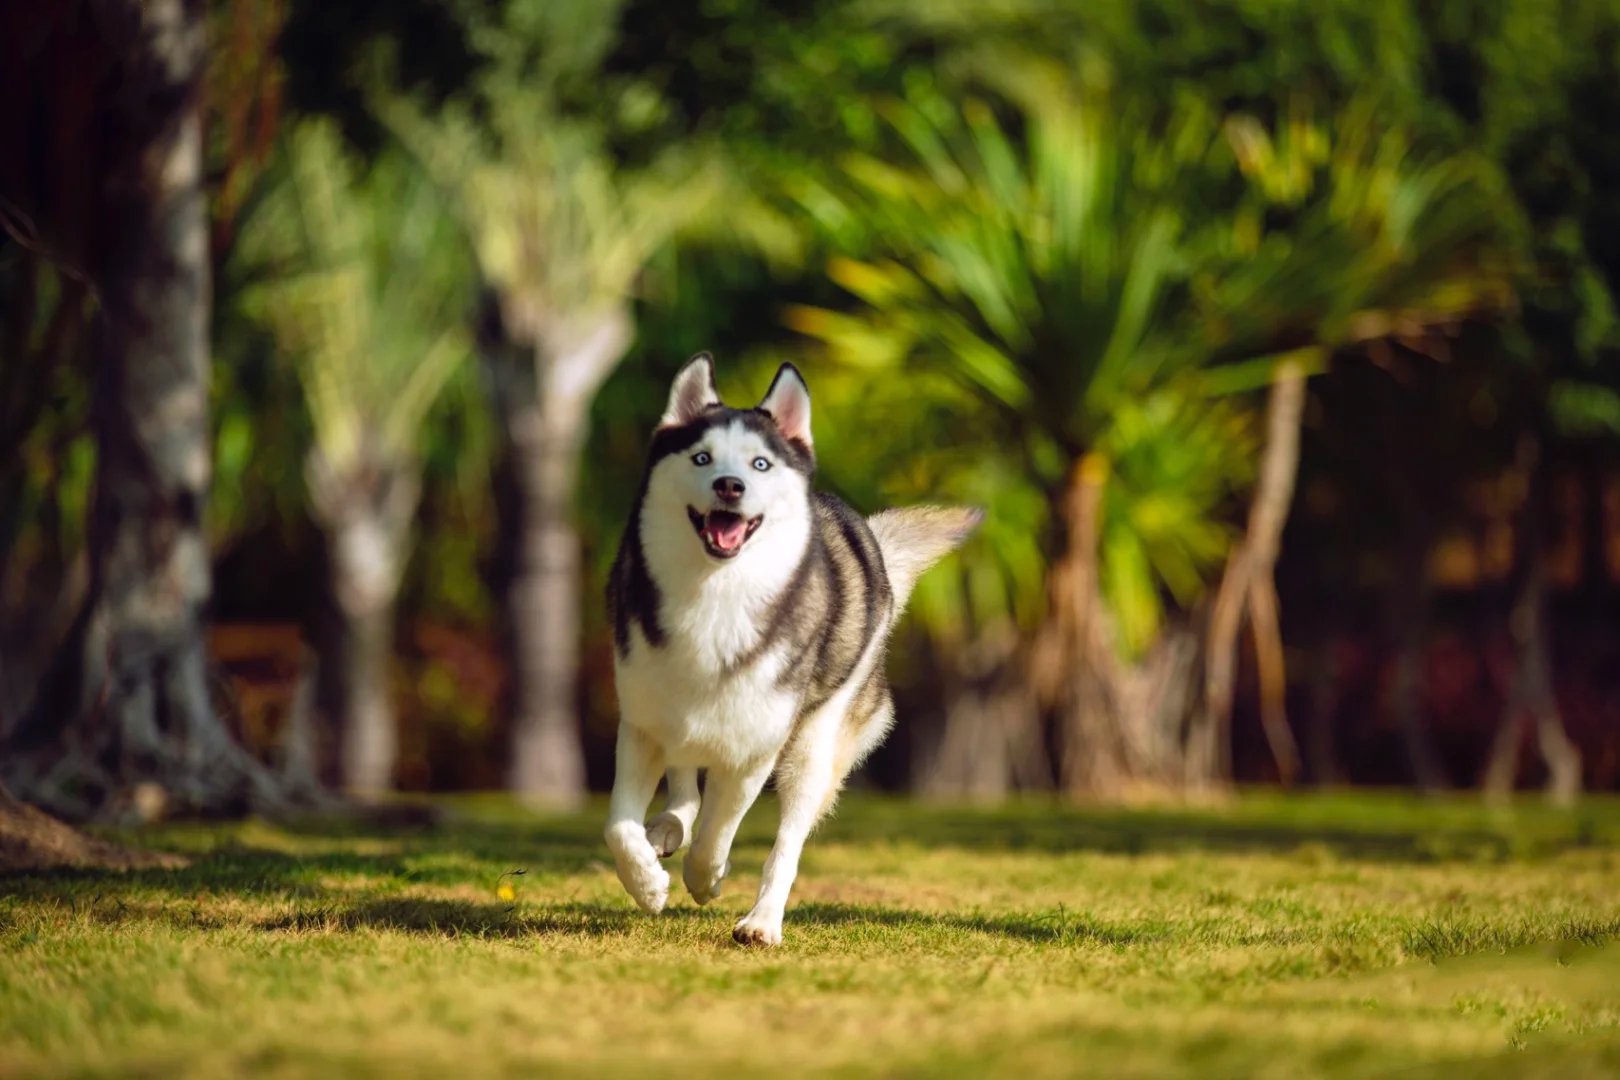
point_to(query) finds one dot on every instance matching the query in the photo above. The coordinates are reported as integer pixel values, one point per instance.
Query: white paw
(703, 882)
(666, 833)
(756, 929)
(644, 879)
(647, 884)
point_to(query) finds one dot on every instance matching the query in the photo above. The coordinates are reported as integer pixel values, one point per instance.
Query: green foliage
(559, 227)
(1545, 94)
(1040, 276)
(361, 284)
(1102, 277)
(1176, 460)
(1368, 237)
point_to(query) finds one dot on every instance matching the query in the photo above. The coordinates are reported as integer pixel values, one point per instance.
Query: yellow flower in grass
(505, 888)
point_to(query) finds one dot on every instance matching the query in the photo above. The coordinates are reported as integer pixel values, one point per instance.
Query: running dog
(750, 615)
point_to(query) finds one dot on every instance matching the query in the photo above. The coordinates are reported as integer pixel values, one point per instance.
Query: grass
(1342, 935)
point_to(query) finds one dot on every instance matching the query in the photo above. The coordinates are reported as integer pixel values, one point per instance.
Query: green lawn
(1280, 937)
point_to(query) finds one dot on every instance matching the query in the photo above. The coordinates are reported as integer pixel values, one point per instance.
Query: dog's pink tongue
(725, 531)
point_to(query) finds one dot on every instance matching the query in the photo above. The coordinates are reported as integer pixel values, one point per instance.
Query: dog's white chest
(702, 695)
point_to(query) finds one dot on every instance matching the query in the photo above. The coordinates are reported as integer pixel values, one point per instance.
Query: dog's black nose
(729, 488)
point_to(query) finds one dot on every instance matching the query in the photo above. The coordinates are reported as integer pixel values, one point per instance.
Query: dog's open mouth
(723, 532)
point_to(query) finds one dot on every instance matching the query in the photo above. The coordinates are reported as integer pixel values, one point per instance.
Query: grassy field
(1315, 936)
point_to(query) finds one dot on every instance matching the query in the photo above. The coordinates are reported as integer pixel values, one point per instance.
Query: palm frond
(360, 291)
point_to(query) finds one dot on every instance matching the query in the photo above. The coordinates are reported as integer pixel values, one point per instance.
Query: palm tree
(366, 297)
(1101, 291)
(561, 233)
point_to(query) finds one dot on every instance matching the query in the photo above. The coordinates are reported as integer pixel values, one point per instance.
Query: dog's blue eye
(761, 464)
(701, 458)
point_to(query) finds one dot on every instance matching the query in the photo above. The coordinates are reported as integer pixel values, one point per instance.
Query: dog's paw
(703, 882)
(757, 930)
(648, 886)
(667, 834)
(637, 864)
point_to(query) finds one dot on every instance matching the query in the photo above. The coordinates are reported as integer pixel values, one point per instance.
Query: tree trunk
(366, 511)
(1268, 514)
(1249, 586)
(1131, 728)
(990, 742)
(544, 613)
(1532, 694)
(1073, 666)
(1208, 760)
(370, 739)
(547, 427)
(130, 705)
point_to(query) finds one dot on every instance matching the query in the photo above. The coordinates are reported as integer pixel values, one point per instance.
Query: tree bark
(1532, 695)
(990, 742)
(544, 614)
(1073, 667)
(370, 738)
(1268, 514)
(547, 414)
(1249, 586)
(366, 510)
(129, 706)
(1208, 760)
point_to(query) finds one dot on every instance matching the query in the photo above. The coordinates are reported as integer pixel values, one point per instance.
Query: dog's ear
(692, 394)
(788, 402)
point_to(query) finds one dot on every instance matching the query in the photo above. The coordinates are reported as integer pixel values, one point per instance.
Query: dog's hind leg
(635, 779)
(669, 831)
(806, 780)
(729, 794)
(867, 724)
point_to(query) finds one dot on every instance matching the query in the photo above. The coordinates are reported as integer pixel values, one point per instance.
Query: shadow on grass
(1060, 927)
(461, 918)
(456, 918)
(1054, 927)
(1357, 830)
(238, 864)
(301, 859)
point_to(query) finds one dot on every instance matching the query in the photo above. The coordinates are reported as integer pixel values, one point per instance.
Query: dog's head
(733, 480)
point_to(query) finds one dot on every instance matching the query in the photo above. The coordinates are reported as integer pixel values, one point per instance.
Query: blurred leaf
(1580, 408)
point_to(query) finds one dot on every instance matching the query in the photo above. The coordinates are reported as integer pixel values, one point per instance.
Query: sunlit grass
(1339, 935)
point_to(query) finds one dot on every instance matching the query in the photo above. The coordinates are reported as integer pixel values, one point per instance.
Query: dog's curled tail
(914, 538)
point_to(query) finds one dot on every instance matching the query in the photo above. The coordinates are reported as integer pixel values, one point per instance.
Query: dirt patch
(33, 840)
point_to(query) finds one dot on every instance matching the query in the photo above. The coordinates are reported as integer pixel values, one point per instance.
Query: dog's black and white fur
(750, 615)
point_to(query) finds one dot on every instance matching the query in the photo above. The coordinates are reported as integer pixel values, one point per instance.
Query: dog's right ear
(692, 393)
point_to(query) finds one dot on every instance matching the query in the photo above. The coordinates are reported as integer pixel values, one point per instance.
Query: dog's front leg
(805, 780)
(670, 831)
(637, 766)
(727, 797)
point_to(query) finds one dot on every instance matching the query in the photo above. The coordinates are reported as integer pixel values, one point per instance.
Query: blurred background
(1279, 341)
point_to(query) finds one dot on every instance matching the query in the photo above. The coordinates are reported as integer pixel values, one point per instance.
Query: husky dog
(750, 615)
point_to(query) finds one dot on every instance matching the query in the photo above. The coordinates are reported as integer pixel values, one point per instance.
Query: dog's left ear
(692, 394)
(788, 402)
